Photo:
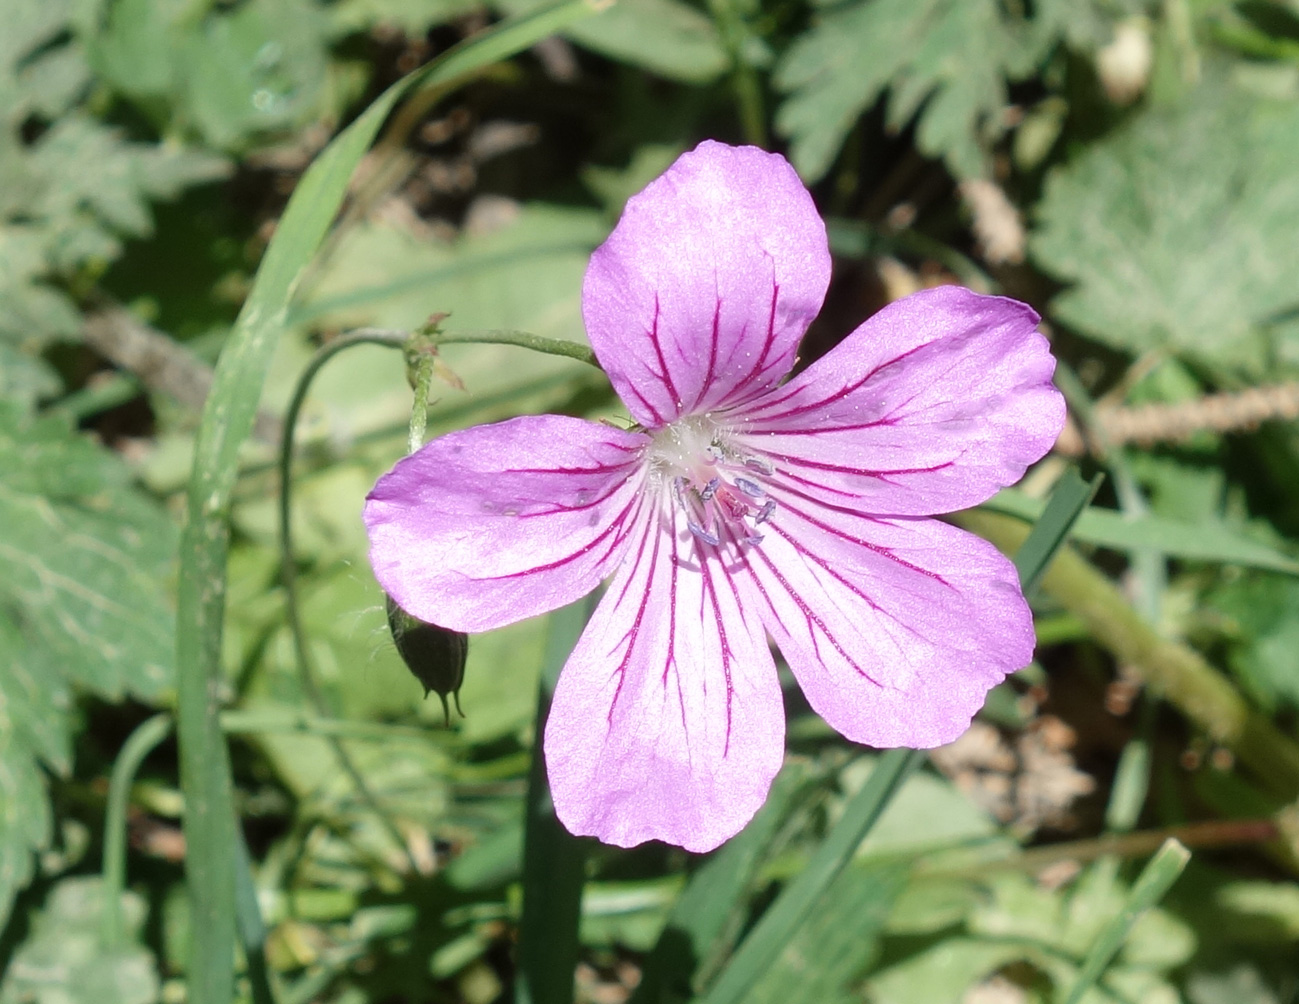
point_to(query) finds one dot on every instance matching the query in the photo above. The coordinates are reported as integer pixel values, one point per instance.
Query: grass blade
(553, 859)
(1071, 496)
(1123, 532)
(1156, 879)
(227, 421)
(711, 898)
(251, 927)
(773, 931)
(139, 744)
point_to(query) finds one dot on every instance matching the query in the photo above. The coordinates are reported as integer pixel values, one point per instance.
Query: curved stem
(1178, 672)
(523, 339)
(289, 571)
(139, 744)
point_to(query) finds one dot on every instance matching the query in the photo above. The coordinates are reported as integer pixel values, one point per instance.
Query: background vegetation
(1131, 167)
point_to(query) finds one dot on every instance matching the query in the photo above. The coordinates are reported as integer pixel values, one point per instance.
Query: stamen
(754, 538)
(765, 512)
(750, 488)
(759, 465)
(702, 534)
(710, 489)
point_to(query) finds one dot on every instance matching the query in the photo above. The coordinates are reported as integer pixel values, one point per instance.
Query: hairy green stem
(419, 407)
(1176, 671)
(139, 744)
(289, 571)
(523, 339)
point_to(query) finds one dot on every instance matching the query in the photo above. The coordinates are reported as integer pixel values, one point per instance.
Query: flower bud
(434, 655)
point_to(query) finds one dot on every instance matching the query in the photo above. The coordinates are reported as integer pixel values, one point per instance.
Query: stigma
(719, 488)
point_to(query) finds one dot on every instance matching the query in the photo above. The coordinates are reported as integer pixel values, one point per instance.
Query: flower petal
(932, 405)
(667, 722)
(702, 292)
(895, 628)
(489, 525)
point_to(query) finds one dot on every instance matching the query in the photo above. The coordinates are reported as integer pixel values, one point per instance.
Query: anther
(759, 465)
(702, 534)
(710, 489)
(765, 512)
(679, 486)
(750, 488)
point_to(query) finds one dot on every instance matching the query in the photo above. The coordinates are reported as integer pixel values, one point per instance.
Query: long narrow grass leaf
(773, 931)
(553, 859)
(227, 421)
(139, 744)
(1121, 532)
(1071, 496)
(714, 894)
(1156, 879)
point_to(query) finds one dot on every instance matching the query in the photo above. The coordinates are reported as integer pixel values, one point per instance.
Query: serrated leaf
(29, 81)
(83, 602)
(944, 60)
(411, 19)
(1176, 232)
(65, 961)
(665, 37)
(1261, 616)
(255, 69)
(125, 176)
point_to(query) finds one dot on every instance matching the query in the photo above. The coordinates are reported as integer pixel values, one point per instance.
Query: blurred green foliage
(1142, 162)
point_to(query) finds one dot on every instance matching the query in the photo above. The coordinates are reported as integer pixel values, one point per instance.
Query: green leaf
(258, 68)
(67, 196)
(553, 859)
(1052, 527)
(39, 71)
(713, 902)
(1175, 231)
(665, 37)
(65, 961)
(836, 944)
(411, 19)
(83, 603)
(943, 61)
(86, 559)
(116, 189)
(1260, 617)
(1175, 538)
(227, 422)
(1155, 880)
(799, 897)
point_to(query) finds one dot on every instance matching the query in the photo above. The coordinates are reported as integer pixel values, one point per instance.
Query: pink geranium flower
(740, 508)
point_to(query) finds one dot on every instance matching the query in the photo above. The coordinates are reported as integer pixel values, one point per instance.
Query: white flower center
(697, 467)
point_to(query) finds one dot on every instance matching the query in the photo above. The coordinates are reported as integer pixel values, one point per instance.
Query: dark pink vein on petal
(811, 617)
(765, 419)
(557, 508)
(712, 354)
(634, 631)
(666, 375)
(850, 586)
(843, 469)
(710, 591)
(883, 552)
(767, 344)
(616, 524)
